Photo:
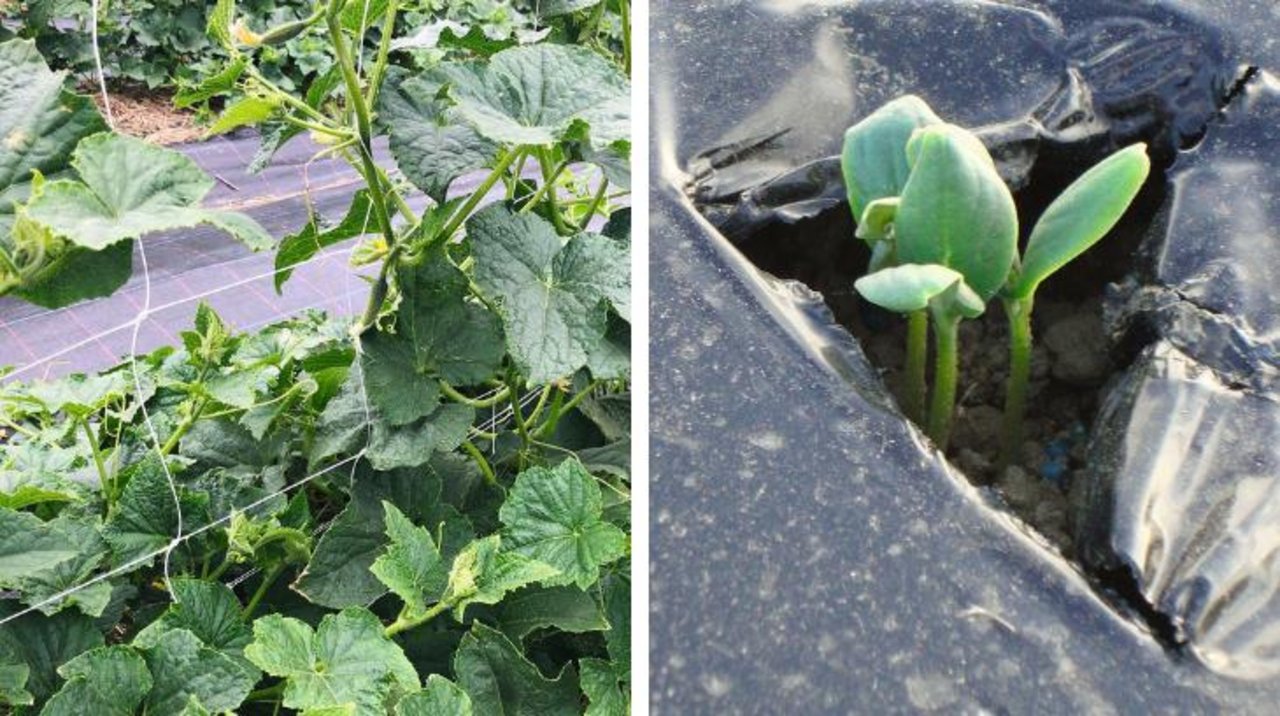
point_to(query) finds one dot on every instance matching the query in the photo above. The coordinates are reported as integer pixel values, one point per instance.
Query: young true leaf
(347, 660)
(412, 567)
(440, 697)
(483, 574)
(1080, 216)
(955, 209)
(299, 247)
(553, 516)
(912, 287)
(874, 157)
(128, 188)
(553, 297)
(500, 680)
(112, 681)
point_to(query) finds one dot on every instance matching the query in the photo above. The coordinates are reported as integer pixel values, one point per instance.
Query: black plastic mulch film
(811, 552)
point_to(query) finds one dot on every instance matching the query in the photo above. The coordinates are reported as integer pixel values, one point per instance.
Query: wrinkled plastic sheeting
(1187, 496)
(808, 549)
(1184, 484)
(1078, 81)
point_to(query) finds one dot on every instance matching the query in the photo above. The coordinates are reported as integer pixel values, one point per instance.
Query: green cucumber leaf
(454, 338)
(347, 659)
(412, 567)
(112, 681)
(128, 188)
(1081, 216)
(535, 95)
(566, 608)
(146, 518)
(338, 574)
(483, 574)
(91, 599)
(412, 445)
(955, 209)
(873, 159)
(553, 298)
(248, 110)
(29, 545)
(298, 248)
(554, 516)
(429, 147)
(45, 643)
(14, 673)
(210, 611)
(440, 697)
(401, 393)
(500, 680)
(602, 683)
(40, 122)
(184, 669)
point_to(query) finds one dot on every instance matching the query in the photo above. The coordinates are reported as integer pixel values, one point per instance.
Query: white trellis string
(143, 315)
(97, 63)
(143, 559)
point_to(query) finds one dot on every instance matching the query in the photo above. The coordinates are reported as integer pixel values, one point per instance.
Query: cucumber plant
(926, 197)
(421, 509)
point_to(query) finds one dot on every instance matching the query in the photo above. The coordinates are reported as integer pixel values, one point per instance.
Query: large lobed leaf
(346, 660)
(554, 516)
(535, 95)
(553, 297)
(128, 188)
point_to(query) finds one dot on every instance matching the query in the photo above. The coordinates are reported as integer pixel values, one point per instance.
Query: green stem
(917, 356)
(548, 184)
(542, 403)
(108, 486)
(267, 580)
(946, 366)
(518, 415)
(550, 426)
(457, 397)
(595, 202)
(1018, 312)
(384, 49)
(315, 127)
(372, 177)
(624, 9)
(285, 97)
(544, 159)
(481, 462)
(403, 623)
(172, 443)
(476, 197)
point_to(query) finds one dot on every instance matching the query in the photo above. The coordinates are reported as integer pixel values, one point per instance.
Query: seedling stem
(917, 348)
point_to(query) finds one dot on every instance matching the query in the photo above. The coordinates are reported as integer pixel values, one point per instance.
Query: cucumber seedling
(943, 231)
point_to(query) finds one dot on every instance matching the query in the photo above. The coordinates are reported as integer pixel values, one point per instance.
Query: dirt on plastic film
(1154, 75)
